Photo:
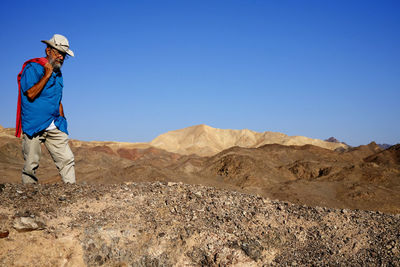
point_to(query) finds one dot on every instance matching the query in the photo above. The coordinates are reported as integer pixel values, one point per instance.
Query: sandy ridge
(206, 141)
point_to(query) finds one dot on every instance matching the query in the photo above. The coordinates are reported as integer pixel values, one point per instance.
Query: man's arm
(61, 110)
(35, 90)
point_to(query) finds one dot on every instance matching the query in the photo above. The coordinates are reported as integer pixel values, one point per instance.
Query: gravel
(175, 224)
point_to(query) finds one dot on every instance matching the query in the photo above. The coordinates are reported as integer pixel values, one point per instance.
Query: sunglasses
(59, 54)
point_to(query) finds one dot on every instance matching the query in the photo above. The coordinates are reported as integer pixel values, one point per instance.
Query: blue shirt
(38, 114)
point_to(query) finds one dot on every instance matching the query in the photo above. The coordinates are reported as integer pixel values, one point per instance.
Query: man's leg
(57, 144)
(32, 150)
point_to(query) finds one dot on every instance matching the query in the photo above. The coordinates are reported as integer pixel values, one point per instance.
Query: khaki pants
(56, 143)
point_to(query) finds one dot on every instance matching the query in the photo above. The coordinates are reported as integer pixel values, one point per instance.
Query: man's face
(56, 58)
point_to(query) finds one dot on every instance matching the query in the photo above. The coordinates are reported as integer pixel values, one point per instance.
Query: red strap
(18, 127)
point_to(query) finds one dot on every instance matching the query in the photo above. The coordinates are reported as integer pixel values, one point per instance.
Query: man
(40, 112)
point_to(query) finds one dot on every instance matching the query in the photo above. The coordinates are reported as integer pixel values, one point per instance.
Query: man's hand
(48, 69)
(35, 90)
(61, 110)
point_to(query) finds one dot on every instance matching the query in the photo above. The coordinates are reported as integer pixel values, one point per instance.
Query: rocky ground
(174, 224)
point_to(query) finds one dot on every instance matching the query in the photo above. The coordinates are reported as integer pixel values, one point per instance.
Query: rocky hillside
(364, 177)
(173, 224)
(204, 140)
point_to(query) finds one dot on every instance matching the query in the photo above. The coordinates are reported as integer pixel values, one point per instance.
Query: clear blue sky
(142, 68)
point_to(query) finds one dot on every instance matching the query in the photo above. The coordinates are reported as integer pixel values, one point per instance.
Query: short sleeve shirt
(38, 114)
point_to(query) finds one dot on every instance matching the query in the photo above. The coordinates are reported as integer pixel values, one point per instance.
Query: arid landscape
(328, 202)
(272, 165)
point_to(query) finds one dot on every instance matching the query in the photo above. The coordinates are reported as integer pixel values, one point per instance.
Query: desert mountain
(388, 157)
(332, 140)
(204, 140)
(384, 146)
(364, 177)
(6, 132)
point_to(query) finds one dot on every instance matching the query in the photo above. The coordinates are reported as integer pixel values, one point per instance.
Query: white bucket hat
(60, 43)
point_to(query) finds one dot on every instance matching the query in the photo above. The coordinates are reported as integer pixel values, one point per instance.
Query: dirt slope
(169, 224)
